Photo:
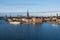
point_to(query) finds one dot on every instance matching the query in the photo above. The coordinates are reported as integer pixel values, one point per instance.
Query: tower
(27, 13)
(57, 15)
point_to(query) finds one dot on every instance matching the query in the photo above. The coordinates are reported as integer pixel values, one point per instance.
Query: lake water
(44, 31)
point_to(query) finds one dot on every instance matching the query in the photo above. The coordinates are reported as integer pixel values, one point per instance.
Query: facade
(47, 19)
(28, 20)
(54, 18)
(37, 20)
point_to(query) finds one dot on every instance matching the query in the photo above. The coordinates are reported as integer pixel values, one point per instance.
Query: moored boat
(15, 23)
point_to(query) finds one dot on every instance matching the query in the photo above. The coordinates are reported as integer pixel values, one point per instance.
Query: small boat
(15, 23)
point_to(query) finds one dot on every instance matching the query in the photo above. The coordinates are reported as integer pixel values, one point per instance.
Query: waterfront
(44, 31)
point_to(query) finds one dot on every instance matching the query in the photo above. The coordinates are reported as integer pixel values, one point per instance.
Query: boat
(15, 23)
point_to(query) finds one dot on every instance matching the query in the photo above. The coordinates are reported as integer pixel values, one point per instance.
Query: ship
(13, 21)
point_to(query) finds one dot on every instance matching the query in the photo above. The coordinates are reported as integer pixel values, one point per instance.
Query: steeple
(27, 13)
(57, 15)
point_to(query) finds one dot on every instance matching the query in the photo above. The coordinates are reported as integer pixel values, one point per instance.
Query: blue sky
(31, 5)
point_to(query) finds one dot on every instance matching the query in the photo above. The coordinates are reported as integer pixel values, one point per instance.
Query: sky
(31, 5)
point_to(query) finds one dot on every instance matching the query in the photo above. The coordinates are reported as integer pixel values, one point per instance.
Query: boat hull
(15, 23)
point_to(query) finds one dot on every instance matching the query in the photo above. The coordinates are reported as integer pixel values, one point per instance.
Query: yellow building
(18, 19)
(47, 19)
(53, 18)
(37, 20)
(28, 20)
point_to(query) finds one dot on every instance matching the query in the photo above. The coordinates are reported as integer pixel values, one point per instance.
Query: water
(44, 31)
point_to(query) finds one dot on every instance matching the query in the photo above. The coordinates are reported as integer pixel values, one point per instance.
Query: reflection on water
(44, 31)
(38, 25)
(55, 25)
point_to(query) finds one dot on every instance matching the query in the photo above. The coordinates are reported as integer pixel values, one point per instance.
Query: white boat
(14, 23)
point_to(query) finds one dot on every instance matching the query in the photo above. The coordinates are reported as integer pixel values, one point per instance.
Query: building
(54, 18)
(57, 15)
(47, 19)
(28, 14)
(37, 20)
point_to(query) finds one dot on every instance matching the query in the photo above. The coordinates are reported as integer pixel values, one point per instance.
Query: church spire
(57, 15)
(27, 13)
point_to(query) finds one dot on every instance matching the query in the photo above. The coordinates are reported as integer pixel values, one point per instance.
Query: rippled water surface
(44, 31)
